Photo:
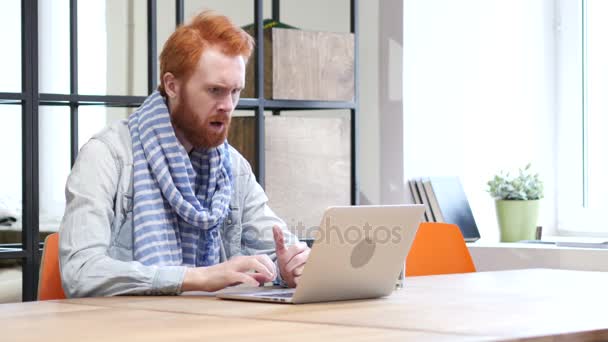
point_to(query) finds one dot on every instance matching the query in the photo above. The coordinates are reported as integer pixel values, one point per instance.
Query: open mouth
(217, 124)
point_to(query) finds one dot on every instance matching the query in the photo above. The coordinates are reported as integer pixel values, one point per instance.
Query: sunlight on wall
(479, 95)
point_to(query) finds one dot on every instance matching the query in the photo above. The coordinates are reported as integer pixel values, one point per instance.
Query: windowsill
(495, 256)
(553, 241)
(543, 244)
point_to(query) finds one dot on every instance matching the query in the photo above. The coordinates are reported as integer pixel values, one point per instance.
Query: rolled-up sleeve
(85, 233)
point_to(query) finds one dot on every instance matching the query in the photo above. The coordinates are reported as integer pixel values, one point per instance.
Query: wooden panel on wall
(249, 90)
(311, 65)
(307, 168)
(242, 137)
(305, 65)
(307, 164)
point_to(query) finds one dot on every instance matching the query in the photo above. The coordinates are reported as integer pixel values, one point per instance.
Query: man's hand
(291, 259)
(232, 272)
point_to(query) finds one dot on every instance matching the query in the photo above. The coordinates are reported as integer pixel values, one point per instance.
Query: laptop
(358, 253)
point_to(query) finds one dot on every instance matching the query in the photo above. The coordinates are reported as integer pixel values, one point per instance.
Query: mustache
(224, 118)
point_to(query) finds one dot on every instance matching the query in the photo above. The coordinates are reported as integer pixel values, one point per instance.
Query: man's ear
(172, 85)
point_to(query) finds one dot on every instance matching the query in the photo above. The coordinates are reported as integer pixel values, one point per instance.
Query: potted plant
(517, 201)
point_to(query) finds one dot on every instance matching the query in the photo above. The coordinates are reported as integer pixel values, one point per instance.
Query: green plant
(525, 186)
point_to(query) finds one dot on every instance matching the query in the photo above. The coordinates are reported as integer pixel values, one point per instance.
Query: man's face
(204, 103)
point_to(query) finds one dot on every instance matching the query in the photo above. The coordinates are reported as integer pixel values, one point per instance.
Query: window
(479, 94)
(69, 68)
(583, 107)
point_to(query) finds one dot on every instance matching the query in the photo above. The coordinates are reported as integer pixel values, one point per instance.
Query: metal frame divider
(152, 37)
(73, 79)
(29, 232)
(258, 18)
(354, 111)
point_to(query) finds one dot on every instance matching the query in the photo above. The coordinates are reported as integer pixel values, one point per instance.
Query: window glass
(582, 83)
(92, 119)
(54, 164)
(597, 102)
(10, 174)
(165, 26)
(112, 47)
(54, 46)
(10, 58)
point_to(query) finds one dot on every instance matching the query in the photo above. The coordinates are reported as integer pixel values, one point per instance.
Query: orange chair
(49, 283)
(438, 248)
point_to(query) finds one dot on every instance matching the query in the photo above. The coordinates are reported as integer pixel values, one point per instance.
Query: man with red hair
(160, 203)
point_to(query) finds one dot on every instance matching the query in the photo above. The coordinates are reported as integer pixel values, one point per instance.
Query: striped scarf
(179, 201)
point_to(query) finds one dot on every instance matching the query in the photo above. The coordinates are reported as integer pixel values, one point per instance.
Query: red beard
(208, 133)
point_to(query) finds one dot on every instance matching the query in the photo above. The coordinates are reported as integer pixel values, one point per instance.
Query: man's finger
(294, 250)
(297, 261)
(259, 267)
(247, 263)
(261, 278)
(279, 240)
(265, 259)
(298, 271)
(243, 278)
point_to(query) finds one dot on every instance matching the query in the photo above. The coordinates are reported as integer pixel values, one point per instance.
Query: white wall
(389, 104)
(479, 95)
(369, 138)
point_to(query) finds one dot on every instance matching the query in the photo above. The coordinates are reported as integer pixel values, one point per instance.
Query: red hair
(185, 46)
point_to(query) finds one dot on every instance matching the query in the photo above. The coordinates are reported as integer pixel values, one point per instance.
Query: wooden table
(534, 304)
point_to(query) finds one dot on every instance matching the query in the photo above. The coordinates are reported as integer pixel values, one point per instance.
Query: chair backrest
(49, 283)
(439, 248)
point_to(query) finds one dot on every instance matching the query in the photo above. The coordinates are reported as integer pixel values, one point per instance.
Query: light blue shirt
(96, 233)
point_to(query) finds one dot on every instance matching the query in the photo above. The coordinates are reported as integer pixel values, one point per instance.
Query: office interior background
(447, 88)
